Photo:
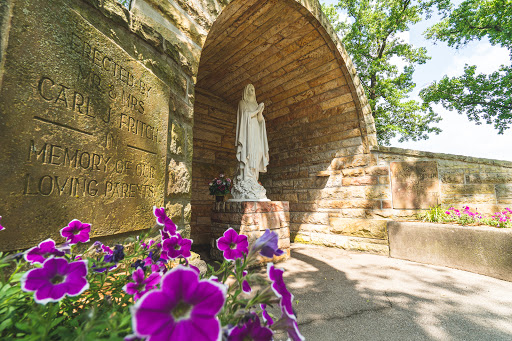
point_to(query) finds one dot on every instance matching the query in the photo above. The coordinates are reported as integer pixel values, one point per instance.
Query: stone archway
(316, 111)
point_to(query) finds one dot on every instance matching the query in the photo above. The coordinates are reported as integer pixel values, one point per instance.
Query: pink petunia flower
(163, 220)
(176, 246)
(56, 279)
(250, 330)
(184, 308)
(233, 245)
(140, 284)
(44, 250)
(76, 232)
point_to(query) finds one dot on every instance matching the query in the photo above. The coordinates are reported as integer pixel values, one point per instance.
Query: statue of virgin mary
(251, 148)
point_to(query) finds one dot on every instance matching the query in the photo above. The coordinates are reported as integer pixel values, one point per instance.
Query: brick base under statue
(252, 218)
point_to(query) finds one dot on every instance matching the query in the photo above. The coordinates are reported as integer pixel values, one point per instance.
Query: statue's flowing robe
(251, 143)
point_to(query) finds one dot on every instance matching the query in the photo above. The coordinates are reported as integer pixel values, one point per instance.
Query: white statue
(251, 148)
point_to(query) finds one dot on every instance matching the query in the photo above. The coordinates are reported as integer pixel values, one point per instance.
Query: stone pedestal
(252, 218)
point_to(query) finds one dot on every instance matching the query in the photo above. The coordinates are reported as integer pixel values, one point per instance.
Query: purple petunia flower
(289, 324)
(44, 250)
(251, 329)
(1, 227)
(233, 245)
(245, 285)
(163, 220)
(279, 288)
(265, 315)
(141, 285)
(176, 246)
(267, 245)
(184, 308)
(56, 279)
(159, 266)
(76, 232)
(106, 249)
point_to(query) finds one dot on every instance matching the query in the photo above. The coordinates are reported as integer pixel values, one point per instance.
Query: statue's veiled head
(249, 94)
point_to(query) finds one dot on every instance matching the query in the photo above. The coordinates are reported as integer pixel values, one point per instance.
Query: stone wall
(214, 154)
(483, 184)
(353, 213)
(95, 112)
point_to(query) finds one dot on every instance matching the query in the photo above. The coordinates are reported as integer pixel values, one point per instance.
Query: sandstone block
(487, 199)
(318, 218)
(466, 189)
(177, 145)
(452, 178)
(352, 172)
(175, 212)
(349, 204)
(187, 214)
(179, 178)
(363, 180)
(351, 161)
(302, 228)
(366, 228)
(504, 191)
(489, 178)
(384, 180)
(376, 170)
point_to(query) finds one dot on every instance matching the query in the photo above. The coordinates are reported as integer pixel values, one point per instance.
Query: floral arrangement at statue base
(220, 187)
(152, 293)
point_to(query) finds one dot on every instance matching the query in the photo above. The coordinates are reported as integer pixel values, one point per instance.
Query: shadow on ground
(342, 295)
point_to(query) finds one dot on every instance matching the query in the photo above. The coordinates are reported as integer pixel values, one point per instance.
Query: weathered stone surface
(377, 170)
(414, 184)
(187, 213)
(360, 181)
(345, 242)
(484, 250)
(251, 219)
(469, 199)
(364, 228)
(489, 178)
(467, 189)
(175, 212)
(179, 178)
(180, 21)
(177, 145)
(352, 172)
(84, 128)
(452, 177)
(317, 218)
(351, 161)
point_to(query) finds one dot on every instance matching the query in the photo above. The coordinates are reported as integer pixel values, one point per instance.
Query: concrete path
(342, 295)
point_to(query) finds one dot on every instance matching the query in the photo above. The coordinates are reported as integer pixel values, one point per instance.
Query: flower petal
(208, 299)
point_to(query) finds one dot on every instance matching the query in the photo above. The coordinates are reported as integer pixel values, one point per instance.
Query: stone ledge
(483, 250)
(419, 153)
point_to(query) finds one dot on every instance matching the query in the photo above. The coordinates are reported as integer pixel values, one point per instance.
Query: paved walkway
(344, 295)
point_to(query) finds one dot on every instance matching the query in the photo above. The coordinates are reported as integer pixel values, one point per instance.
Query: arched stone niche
(313, 110)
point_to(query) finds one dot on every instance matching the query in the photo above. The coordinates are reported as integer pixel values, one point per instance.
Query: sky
(459, 135)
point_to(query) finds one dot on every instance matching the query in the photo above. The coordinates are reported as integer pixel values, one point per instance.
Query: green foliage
(102, 312)
(479, 96)
(435, 214)
(125, 3)
(371, 36)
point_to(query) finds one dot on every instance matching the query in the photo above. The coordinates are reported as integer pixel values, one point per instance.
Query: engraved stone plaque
(414, 184)
(83, 128)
